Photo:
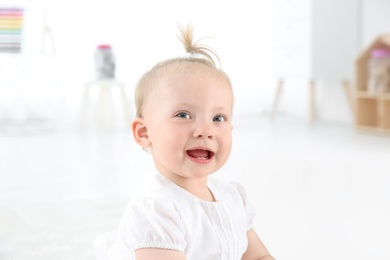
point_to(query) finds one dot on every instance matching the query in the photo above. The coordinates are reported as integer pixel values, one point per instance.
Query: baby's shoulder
(153, 187)
(150, 199)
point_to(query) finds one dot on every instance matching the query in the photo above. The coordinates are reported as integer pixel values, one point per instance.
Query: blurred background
(311, 142)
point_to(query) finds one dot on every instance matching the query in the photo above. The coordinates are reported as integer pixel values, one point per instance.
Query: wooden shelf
(372, 110)
(366, 94)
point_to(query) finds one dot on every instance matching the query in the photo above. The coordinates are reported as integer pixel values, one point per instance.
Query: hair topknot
(196, 49)
(196, 54)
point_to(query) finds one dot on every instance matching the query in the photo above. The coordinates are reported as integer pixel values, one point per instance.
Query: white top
(164, 215)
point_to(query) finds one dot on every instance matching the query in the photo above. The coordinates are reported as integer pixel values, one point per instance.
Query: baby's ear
(140, 132)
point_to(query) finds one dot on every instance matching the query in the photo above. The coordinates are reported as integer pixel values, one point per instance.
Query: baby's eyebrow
(222, 108)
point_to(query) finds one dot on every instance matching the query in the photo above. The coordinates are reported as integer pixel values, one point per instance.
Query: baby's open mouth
(200, 154)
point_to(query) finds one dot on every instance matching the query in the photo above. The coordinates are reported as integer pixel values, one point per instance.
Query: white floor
(321, 192)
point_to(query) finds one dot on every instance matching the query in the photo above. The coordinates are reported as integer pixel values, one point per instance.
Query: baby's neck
(197, 187)
(205, 195)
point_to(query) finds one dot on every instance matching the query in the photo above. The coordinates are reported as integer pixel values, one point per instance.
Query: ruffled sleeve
(249, 209)
(152, 223)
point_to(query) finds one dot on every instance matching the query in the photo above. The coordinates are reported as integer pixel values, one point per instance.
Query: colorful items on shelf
(379, 71)
(11, 27)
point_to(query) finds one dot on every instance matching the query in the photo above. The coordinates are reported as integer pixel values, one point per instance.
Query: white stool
(106, 115)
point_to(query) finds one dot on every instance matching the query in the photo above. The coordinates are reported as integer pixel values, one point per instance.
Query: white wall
(335, 38)
(376, 20)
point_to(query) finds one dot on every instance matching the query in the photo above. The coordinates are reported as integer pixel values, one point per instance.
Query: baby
(184, 120)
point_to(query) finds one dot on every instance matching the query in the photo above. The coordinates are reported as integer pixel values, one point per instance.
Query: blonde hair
(196, 54)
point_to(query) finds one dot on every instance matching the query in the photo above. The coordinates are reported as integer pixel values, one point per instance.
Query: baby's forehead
(179, 77)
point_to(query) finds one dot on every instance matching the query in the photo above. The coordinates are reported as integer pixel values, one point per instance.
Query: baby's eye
(218, 118)
(183, 115)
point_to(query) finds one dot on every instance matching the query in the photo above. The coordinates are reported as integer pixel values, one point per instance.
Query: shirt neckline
(210, 186)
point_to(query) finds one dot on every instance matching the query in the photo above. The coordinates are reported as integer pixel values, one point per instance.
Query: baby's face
(189, 122)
